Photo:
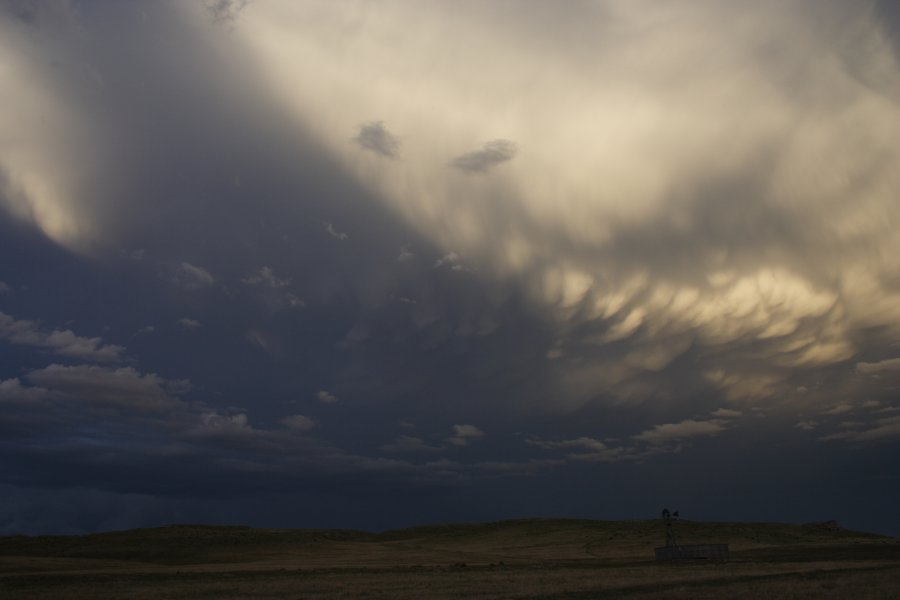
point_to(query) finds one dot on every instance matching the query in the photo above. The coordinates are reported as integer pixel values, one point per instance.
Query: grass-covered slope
(515, 541)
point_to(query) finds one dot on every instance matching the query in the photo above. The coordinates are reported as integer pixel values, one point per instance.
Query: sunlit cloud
(609, 232)
(672, 200)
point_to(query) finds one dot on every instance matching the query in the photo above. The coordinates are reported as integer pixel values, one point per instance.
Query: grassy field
(539, 558)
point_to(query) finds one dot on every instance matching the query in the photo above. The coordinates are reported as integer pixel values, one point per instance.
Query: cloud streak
(59, 342)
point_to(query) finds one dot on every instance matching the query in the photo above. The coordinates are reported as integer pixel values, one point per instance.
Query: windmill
(668, 517)
(673, 551)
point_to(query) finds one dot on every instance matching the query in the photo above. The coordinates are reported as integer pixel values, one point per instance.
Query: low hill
(523, 559)
(484, 543)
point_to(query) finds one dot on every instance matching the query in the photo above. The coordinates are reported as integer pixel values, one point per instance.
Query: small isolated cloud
(189, 323)
(273, 289)
(405, 255)
(299, 423)
(143, 331)
(464, 434)
(806, 425)
(62, 343)
(451, 260)
(891, 364)
(138, 254)
(726, 413)
(493, 153)
(264, 276)
(582, 443)
(407, 444)
(326, 397)
(4, 288)
(375, 137)
(688, 428)
(191, 277)
(213, 424)
(225, 11)
(339, 235)
(529, 467)
(584, 449)
(839, 409)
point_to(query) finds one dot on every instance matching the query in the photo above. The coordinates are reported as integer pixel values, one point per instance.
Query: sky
(377, 264)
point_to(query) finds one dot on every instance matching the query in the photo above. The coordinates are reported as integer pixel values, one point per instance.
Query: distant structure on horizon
(673, 551)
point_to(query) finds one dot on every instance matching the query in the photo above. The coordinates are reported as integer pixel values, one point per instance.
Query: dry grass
(517, 559)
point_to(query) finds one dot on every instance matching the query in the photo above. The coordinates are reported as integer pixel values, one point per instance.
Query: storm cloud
(601, 242)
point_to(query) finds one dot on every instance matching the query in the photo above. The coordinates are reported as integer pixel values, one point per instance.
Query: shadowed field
(540, 558)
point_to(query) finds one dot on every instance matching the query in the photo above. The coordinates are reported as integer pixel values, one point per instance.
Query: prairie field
(527, 559)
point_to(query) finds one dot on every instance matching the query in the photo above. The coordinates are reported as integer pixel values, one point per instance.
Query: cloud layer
(441, 245)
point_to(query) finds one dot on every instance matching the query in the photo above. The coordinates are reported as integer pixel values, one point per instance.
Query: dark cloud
(375, 136)
(60, 342)
(100, 387)
(409, 444)
(688, 283)
(463, 435)
(225, 11)
(492, 154)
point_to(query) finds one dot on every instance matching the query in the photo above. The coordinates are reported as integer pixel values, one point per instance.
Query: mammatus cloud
(463, 435)
(676, 233)
(662, 209)
(375, 137)
(61, 343)
(492, 154)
